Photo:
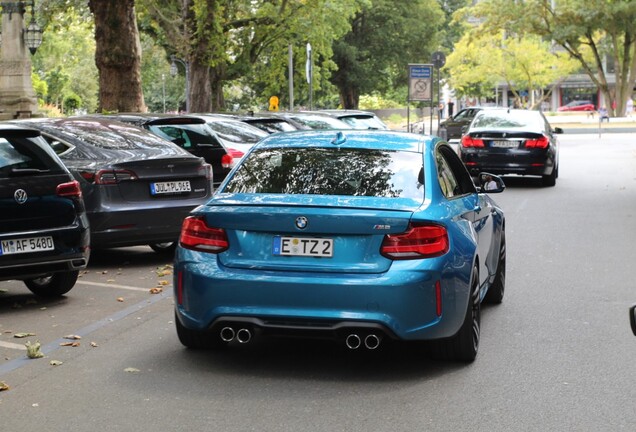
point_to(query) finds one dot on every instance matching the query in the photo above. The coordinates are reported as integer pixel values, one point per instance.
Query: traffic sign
(420, 82)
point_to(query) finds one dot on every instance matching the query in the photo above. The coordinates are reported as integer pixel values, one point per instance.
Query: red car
(578, 106)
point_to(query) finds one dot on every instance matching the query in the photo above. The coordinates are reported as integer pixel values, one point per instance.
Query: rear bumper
(71, 253)
(523, 163)
(400, 303)
(130, 226)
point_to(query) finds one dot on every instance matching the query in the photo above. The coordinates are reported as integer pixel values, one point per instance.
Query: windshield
(329, 171)
(508, 119)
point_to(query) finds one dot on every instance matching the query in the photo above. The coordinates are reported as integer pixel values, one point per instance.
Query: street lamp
(33, 33)
(173, 72)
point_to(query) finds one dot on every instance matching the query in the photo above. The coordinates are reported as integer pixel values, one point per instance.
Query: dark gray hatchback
(137, 187)
(44, 233)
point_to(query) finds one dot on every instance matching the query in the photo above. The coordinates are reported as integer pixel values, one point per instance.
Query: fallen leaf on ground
(131, 370)
(55, 362)
(33, 350)
(71, 344)
(23, 335)
(120, 299)
(94, 344)
(156, 290)
(74, 337)
(4, 386)
(162, 283)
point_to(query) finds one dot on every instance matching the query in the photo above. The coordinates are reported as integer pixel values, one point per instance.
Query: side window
(173, 134)
(58, 146)
(463, 183)
(447, 180)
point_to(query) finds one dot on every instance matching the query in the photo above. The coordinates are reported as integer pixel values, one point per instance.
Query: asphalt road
(557, 355)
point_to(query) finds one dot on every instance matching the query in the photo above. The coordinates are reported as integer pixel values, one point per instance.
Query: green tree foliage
(589, 31)
(66, 58)
(482, 60)
(231, 40)
(385, 36)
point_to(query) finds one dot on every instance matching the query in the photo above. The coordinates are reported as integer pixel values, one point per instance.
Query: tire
(464, 345)
(195, 339)
(550, 180)
(166, 248)
(495, 293)
(53, 285)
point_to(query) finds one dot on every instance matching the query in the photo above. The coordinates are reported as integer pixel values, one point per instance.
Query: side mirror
(632, 318)
(490, 183)
(557, 130)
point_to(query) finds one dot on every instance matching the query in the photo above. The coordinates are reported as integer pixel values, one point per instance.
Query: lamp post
(17, 97)
(173, 72)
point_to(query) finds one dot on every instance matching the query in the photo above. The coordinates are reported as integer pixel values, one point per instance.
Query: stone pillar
(17, 97)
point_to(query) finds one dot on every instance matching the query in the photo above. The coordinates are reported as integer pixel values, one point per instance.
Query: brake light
(467, 141)
(71, 189)
(541, 142)
(421, 240)
(104, 177)
(197, 235)
(236, 154)
(206, 169)
(227, 161)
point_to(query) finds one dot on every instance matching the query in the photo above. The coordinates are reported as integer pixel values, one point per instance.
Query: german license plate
(504, 144)
(170, 187)
(298, 246)
(26, 245)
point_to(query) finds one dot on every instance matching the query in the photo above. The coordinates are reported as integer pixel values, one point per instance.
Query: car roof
(152, 118)
(351, 138)
(10, 130)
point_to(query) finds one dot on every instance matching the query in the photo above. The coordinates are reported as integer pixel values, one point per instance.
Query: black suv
(44, 233)
(190, 133)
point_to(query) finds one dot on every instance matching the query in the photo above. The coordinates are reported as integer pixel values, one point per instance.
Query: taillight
(420, 241)
(467, 141)
(104, 177)
(541, 142)
(236, 154)
(71, 189)
(227, 161)
(197, 235)
(206, 169)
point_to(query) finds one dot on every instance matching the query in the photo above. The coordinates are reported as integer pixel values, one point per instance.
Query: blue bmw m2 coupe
(357, 236)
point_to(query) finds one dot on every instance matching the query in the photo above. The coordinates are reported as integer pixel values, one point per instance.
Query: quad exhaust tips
(370, 342)
(242, 335)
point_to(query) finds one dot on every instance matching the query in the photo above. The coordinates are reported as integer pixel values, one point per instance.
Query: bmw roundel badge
(20, 196)
(301, 222)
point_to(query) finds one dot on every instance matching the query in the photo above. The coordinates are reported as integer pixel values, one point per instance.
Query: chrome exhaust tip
(227, 334)
(353, 341)
(244, 335)
(372, 342)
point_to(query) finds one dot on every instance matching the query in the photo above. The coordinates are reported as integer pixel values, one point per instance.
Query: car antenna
(339, 139)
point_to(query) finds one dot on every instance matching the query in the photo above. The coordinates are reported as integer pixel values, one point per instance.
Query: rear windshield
(330, 171)
(237, 132)
(23, 157)
(503, 119)
(185, 135)
(271, 125)
(112, 136)
(363, 122)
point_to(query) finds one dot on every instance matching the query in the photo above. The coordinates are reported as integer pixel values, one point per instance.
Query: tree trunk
(349, 98)
(118, 56)
(199, 87)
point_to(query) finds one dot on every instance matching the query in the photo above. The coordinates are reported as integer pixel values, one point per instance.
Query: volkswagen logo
(20, 196)
(301, 222)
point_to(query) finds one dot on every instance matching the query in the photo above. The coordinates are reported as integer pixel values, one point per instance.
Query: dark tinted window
(504, 119)
(272, 125)
(237, 132)
(329, 171)
(21, 156)
(186, 135)
(113, 136)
